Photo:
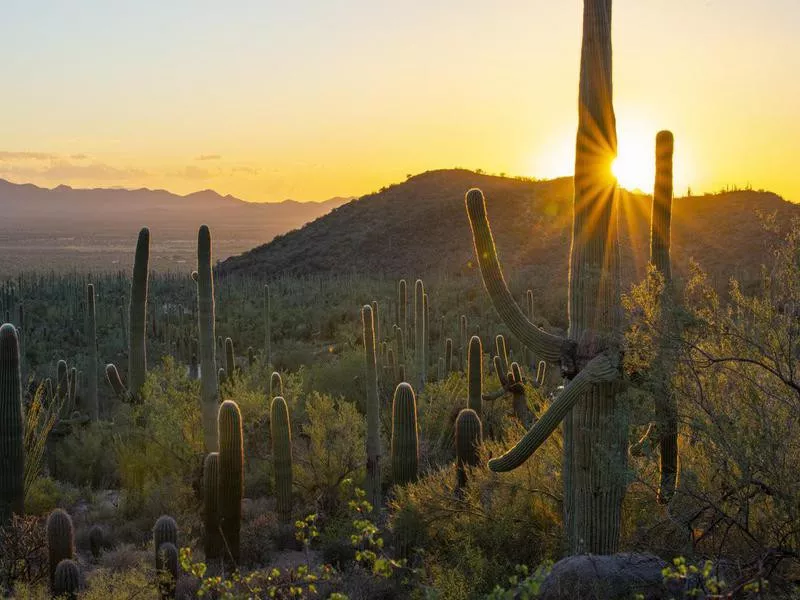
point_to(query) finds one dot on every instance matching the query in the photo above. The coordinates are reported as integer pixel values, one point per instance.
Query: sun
(634, 169)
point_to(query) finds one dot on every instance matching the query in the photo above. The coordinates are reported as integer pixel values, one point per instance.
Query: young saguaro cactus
(212, 541)
(12, 429)
(405, 437)
(373, 405)
(230, 358)
(92, 402)
(67, 580)
(448, 356)
(231, 476)
(474, 374)
(281, 433)
(402, 310)
(168, 574)
(207, 336)
(165, 531)
(469, 436)
(115, 381)
(60, 540)
(275, 385)
(595, 432)
(137, 315)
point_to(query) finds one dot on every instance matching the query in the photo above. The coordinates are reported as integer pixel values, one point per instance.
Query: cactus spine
(474, 374)
(405, 439)
(212, 542)
(419, 333)
(60, 540)
(66, 580)
(165, 531)
(595, 432)
(469, 436)
(231, 476)
(137, 315)
(12, 430)
(373, 409)
(660, 231)
(92, 401)
(281, 433)
(208, 357)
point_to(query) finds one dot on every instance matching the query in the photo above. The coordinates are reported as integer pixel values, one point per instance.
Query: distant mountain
(420, 227)
(96, 228)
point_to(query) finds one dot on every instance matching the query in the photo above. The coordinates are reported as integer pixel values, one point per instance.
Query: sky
(311, 99)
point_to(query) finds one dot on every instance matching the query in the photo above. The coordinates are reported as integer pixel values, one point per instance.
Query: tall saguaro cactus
(469, 436)
(267, 328)
(595, 430)
(419, 333)
(208, 356)
(212, 541)
(373, 406)
(137, 315)
(12, 431)
(474, 374)
(405, 438)
(231, 476)
(281, 432)
(660, 230)
(94, 359)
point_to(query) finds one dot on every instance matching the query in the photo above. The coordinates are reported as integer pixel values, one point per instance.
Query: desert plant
(67, 580)
(60, 540)
(93, 360)
(374, 492)
(208, 357)
(168, 573)
(281, 433)
(212, 542)
(275, 385)
(137, 315)
(12, 432)
(474, 374)
(230, 358)
(469, 435)
(231, 476)
(115, 381)
(165, 531)
(405, 437)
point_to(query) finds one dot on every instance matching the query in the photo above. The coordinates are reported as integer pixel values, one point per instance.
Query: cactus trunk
(373, 409)
(474, 374)
(405, 438)
(208, 360)
(231, 477)
(137, 315)
(281, 432)
(92, 401)
(12, 431)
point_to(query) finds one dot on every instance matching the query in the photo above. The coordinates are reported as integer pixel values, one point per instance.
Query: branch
(546, 345)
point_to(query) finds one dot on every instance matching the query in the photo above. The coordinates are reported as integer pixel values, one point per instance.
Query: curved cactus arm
(600, 369)
(548, 346)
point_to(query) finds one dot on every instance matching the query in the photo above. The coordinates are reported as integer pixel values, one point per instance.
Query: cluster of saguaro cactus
(137, 353)
(405, 437)
(281, 433)
(165, 545)
(230, 477)
(595, 431)
(12, 432)
(60, 540)
(373, 406)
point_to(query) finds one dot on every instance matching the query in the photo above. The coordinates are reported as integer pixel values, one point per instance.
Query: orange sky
(311, 100)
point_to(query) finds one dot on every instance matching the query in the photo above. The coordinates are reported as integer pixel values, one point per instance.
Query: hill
(96, 228)
(419, 227)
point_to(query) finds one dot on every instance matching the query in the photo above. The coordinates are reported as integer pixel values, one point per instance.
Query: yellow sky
(320, 99)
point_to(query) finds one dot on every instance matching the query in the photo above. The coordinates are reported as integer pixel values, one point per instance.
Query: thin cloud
(208, 157)
(64, 171)
(7, 156)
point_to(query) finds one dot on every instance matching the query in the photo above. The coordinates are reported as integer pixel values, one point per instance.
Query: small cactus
(60, 540)
(165, 531)
(66, 580)
(231, 476)
(212, 542)
(405, 438)
(12, 430)
(230, 358)
(448, 356)
(115, 381)
(275, 385)
(469, 435)
(281, 433)
(96, 541)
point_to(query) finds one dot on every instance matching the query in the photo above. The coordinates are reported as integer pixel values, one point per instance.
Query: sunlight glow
(634, 166)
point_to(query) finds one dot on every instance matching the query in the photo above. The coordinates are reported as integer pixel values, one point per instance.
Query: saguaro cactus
(12, 430)
(281, 433)
(230, 359)
(595, 432)
(275, 385)
(373, 406)
(165, 531)
(419, 333)
(402, 310)
(660, 231)
(115, 381)
(212, 542)
(469, 436)
(168, 574)
(231, 476)
(60, 540)
(208, 356)
(474, 374)
(67, 580)
(267, 328)
(448, 356)
(405, 438)
(137, 315)
(92, 402)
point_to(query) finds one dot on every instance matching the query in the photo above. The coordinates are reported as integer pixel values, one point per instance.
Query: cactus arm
(600, 369)
(550, 347)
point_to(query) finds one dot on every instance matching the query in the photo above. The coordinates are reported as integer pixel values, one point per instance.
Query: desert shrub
(478, 537)
(23, 552)
(46, 493)
(329, 449)
(83, 457)
(339, 375)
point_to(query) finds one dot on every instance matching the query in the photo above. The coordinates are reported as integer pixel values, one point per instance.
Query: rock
(593, 577)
